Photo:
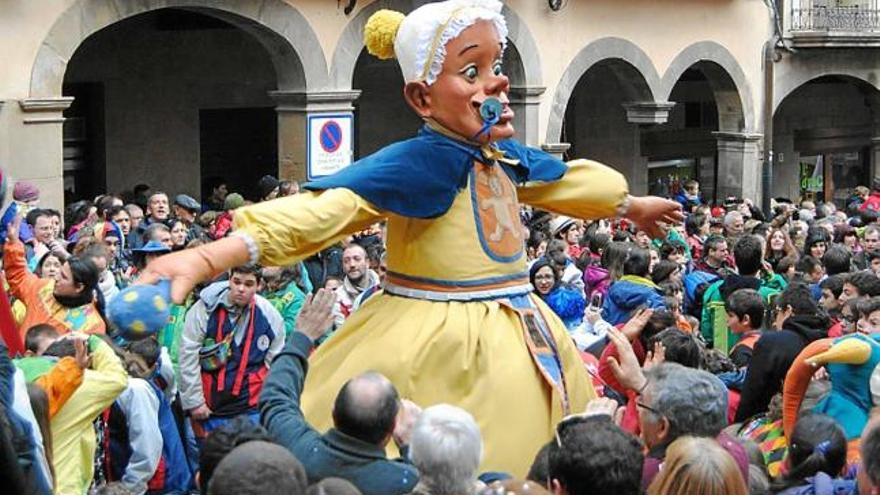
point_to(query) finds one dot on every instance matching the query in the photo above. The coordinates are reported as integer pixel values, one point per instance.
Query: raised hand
(13, 228)
(316, 315)
(626, 366)
(633, 328)
(406, 419)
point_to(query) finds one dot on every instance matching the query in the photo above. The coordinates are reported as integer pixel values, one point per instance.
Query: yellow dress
(471, 353)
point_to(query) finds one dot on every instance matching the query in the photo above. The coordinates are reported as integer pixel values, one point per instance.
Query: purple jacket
(596, 280)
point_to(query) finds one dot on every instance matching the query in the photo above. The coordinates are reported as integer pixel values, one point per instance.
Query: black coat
(773, 355)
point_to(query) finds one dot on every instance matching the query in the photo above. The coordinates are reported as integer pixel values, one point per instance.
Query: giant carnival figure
(455, 321)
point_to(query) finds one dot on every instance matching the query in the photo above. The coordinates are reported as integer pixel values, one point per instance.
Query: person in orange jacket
(67, 304)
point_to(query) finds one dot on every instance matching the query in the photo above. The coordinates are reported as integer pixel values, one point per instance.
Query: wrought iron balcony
(849, 19)
(836, 26)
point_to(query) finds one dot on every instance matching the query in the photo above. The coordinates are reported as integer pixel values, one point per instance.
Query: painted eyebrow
(468, 48)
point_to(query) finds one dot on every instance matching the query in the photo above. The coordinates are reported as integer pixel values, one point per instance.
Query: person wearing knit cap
(268, 187)
(456, 263)
(26, 192)
(233, 201)
(25, 198)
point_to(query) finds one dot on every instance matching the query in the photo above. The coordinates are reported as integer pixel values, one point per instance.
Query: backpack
(695, 285)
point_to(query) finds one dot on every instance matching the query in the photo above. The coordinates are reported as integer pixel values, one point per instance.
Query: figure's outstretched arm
(278, 233)
(591, 190)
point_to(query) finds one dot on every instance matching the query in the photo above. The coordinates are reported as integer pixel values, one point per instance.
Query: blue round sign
(331, 136)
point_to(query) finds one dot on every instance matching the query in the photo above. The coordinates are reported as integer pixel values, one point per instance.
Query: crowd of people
(696, 343)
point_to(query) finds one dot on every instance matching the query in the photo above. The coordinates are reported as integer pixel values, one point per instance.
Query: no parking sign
(330, 143)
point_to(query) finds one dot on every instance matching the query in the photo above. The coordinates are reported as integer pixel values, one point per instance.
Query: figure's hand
(316, 316)
(406, 419)
(189, 267)
(13, 228)
(201, 413)
(626, 366)
(646, 211)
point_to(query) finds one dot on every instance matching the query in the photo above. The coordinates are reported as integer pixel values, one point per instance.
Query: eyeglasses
(649, 408)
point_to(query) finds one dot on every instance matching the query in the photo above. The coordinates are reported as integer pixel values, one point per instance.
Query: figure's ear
(418, 95)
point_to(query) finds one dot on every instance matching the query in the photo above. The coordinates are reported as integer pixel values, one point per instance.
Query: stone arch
(631, 65)
(733, 94)
(277, 25)
(790, 81)
(351, 42)
(826, 115)
(870, 90)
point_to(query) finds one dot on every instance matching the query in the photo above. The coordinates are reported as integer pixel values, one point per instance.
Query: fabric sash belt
(542, 346)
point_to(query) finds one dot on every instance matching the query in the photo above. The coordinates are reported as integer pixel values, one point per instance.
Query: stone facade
(685, 78)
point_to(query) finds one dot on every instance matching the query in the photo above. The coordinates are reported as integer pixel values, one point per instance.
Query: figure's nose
(498, 84)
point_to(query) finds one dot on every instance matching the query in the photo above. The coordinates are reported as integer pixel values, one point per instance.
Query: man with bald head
(367, 415)
(358, 278)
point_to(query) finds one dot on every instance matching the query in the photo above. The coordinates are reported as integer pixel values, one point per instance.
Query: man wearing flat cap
(185, 209)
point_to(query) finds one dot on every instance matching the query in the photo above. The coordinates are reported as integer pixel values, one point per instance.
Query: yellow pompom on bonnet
(418, 40)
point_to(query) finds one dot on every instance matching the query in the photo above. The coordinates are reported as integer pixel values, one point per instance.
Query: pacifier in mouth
(490, 112)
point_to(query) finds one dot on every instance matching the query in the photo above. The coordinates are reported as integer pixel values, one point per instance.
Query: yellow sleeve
(588, 190)
(294, 227)
(60, 383)
(100, 385)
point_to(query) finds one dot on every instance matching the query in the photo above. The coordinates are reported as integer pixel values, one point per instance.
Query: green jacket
(713, 321)
(169, 335)
(288, 301)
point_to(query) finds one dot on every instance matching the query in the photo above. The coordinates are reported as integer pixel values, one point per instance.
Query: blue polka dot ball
(141, 310)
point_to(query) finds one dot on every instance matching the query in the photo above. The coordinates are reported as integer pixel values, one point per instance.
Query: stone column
(648, 112)
(294, 108)
(525, 102)
(35, 127)
(643, 114)
(739, 165)
(556, 149)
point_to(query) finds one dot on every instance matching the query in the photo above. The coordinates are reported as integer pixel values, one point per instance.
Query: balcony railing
(836, 19)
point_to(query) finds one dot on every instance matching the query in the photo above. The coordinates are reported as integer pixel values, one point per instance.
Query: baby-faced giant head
(471, 73)
(450, 54)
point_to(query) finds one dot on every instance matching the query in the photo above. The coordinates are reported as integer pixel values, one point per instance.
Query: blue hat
(153, 247)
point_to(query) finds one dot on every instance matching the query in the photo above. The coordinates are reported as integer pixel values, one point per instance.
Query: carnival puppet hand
(646, 211)
(189, 267)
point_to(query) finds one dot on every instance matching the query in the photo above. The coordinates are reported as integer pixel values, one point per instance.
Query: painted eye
(496, 69)
(470, 72)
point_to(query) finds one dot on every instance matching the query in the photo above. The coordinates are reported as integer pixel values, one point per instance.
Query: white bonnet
(420, 40)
